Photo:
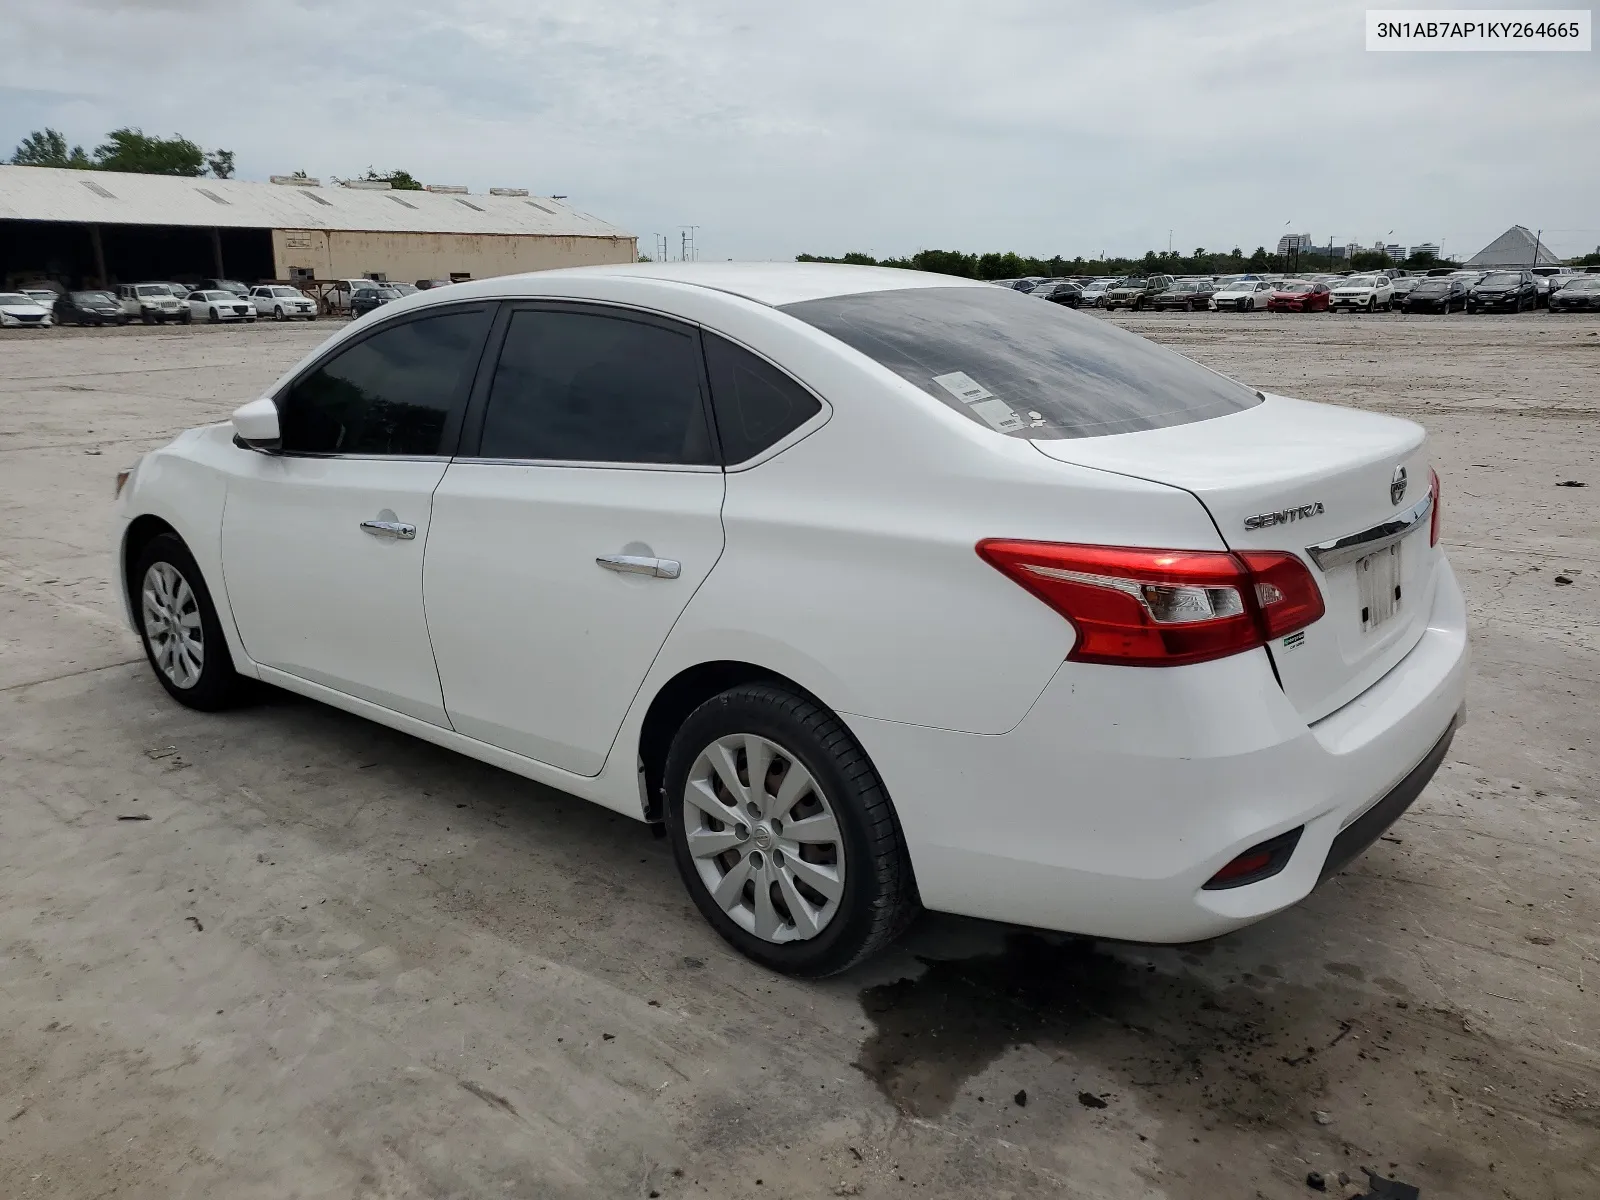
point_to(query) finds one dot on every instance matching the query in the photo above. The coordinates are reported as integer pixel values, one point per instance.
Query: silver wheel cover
(171, 614)
(764, 838)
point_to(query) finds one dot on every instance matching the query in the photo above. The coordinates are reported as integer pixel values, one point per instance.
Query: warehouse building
(99, 228)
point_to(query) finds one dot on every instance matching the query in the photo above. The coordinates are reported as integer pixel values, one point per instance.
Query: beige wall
(405, 257)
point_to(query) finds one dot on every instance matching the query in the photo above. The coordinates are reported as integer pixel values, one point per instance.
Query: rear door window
(575, 385)
(1027, 370)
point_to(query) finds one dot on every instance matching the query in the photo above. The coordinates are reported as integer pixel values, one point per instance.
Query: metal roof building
(79, 227)
(1516, 247)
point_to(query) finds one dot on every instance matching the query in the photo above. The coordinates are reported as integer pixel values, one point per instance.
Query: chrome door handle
(635, 564)
(398, 530)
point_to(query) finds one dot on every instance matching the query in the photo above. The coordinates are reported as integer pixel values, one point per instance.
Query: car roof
(766, 283)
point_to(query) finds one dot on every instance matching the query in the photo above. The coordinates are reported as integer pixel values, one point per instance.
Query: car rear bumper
(1123, 791)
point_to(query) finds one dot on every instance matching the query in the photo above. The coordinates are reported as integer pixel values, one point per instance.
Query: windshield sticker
(980, 400)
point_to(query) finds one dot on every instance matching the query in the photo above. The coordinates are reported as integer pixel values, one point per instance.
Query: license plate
(1378, 586)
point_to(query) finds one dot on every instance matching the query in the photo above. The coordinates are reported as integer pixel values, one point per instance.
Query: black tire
(218, 685)
(879, 898)
(214, 317)
(186, 319)
(277, 312)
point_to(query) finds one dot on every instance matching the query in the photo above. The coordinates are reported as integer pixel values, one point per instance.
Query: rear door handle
(399, 530)
(635, 564)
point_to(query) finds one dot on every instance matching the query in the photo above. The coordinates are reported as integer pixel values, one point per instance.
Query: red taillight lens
(1133, 606)
(1433, 521)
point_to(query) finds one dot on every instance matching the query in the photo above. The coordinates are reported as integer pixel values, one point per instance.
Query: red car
(1299, 295)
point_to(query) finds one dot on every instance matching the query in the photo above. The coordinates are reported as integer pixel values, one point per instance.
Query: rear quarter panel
(850, 564)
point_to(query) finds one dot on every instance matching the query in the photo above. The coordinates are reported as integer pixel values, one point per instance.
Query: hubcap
(764, 838)
(172, 624)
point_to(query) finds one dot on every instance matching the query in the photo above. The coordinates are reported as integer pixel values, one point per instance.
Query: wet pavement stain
(1239, 1058)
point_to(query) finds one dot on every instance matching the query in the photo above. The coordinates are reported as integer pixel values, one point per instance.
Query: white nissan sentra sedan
(881, 590)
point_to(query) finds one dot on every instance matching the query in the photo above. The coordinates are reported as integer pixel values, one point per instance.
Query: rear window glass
(1026, 369)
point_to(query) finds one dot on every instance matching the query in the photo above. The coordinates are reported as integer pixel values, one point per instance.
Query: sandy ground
(335, 962)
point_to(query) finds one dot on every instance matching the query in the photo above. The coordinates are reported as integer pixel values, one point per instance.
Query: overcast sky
(1042, 126)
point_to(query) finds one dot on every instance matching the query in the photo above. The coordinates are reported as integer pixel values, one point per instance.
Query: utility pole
(1537, 239)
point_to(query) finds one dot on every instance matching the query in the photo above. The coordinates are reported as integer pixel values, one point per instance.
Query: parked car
(1401, 288)
(1510, 291)
(342, 293)
(1436, 295)
(1068, 294)
(405, 289)
(18, 310)
(1244, 295)
(364, 300)
(224, 285)
(1366, 293)
(1136, 293)
(1184, 295)
(424, 285)
(89, 308)
(180, 290)
(1298, 295)
(1579, 293)
(44, 297)
(152, 303)
(1094, 292)
(614, 632)
(215, 305)
(281, 302)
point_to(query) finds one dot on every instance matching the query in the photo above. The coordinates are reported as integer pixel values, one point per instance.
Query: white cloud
(1037, 125)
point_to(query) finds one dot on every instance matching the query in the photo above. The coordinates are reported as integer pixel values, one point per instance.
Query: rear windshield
(1032, 370)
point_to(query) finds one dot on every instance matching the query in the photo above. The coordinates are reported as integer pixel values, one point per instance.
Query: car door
(323, 542)
(583, 512)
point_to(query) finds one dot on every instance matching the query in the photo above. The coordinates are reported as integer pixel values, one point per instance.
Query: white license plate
(1378, 586)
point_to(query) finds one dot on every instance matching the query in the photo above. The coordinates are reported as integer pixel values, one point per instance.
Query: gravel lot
(334, 962)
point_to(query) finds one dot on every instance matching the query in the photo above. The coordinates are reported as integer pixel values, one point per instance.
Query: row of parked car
(159, 302)
(1444, 290)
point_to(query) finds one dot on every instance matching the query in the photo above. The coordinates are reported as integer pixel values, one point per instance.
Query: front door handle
(399, 530)
(636, 564)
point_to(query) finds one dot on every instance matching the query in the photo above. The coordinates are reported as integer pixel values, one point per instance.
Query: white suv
(1366, 293)
(152, 303)
(279, 302)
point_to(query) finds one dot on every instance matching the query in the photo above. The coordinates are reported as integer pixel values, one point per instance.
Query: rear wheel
(784, 834)
(179, 628)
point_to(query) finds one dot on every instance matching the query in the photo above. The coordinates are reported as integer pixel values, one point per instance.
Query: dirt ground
(285, 953)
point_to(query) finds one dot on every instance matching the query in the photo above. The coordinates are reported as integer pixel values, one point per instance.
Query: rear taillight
(1133, 606)
(1433, 521)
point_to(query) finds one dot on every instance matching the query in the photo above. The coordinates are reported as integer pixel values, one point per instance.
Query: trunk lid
(1292, 475)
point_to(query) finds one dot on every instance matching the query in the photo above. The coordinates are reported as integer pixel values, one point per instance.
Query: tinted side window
(390, 393)
(585, 387)
(756, 404)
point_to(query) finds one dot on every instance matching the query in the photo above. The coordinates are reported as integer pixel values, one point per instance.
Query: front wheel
(178, 625)
(277, 312)
(784, 834)
(214, 317)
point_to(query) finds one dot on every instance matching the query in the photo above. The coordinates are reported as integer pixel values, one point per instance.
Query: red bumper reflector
(1261, 861)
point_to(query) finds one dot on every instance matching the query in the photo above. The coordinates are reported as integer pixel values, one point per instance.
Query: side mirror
(255, 425)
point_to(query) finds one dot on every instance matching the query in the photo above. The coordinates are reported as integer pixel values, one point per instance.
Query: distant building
(1426, 248)
(1351, 249)
(1516, 247)
(1394, 250)
(1291, 243)
(95, 228)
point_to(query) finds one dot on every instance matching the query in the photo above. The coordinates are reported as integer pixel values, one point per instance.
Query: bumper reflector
(1261, 861)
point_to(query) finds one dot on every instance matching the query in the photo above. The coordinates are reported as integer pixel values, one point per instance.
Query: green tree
(48, 148)
(221, 163)
(1587, 260)
(400, 181)
(134, 150)
(1369, 260)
